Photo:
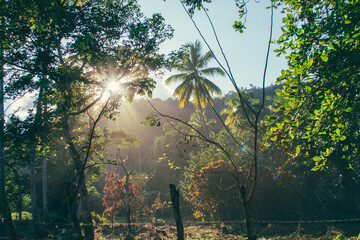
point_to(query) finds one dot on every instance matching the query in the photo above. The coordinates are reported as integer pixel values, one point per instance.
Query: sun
(113, 86)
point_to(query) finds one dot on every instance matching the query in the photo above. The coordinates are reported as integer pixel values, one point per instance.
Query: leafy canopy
(322, 93)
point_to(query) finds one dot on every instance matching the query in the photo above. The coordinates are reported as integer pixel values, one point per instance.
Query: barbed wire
(312, 221)
(277, 221)
(255, 221)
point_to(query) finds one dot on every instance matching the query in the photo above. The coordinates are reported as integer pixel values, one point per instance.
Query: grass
(210, 232)
(25, 215)
(104, 231)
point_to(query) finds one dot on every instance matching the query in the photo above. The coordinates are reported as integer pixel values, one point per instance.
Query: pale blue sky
(246, 52)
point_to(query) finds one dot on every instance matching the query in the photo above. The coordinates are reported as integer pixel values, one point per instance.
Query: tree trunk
(127, 194)
(72, 213)
(202, 114)
(127, 203)
(33, 183)
(20, 195)
(79, 208)
(19, 204)
(203, 122)
(176, 207)
(34, 143)
(350, 184)
(4, 203)
(88, 225)
(82, 190)
(44, 189)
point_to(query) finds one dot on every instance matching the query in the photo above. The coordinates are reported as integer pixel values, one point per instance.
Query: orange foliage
(115, 195)
(213, 191)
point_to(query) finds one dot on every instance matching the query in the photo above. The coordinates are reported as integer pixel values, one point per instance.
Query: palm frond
(205, 59)
(183, 93)
(211, 87)
(212, 71)
(175, 78)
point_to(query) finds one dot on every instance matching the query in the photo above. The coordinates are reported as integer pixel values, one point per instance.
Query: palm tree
(195, 86)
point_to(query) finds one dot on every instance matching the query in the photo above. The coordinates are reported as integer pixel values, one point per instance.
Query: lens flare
(246, 148)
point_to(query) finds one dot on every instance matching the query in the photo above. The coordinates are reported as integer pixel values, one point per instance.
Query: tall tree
(5, 209)
(13, 34)
(195, 86)
(74, 50)
(321, 117)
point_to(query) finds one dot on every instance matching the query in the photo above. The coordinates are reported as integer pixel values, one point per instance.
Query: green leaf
(337, 131)
(297, 150)
(324, 57)
(317, 158)
(349, 109)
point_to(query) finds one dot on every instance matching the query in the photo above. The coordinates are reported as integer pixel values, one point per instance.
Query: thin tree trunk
(72, 213)
(19, 204)
(44, 189)
(127, 203)
(127, 197)
(33, 183)
(34, 142)
(20, 195)
(350, 184)
(4, 203)
(79, 208)
(80, 169)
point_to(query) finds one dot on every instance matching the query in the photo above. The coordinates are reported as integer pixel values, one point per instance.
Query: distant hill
(131, 115)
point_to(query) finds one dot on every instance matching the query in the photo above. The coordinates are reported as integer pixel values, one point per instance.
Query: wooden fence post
(175, 203)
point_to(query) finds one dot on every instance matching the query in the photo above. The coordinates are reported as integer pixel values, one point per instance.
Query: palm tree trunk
(202, 115)
(203, 122)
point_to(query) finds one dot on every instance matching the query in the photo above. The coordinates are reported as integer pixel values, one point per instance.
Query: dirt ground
(193, 230)
(218, 232)
(162, 232)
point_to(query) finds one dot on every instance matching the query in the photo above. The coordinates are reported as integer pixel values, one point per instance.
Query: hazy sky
(246, 52)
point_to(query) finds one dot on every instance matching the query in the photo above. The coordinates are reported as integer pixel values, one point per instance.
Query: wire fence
(191, 222)
(275, 221)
